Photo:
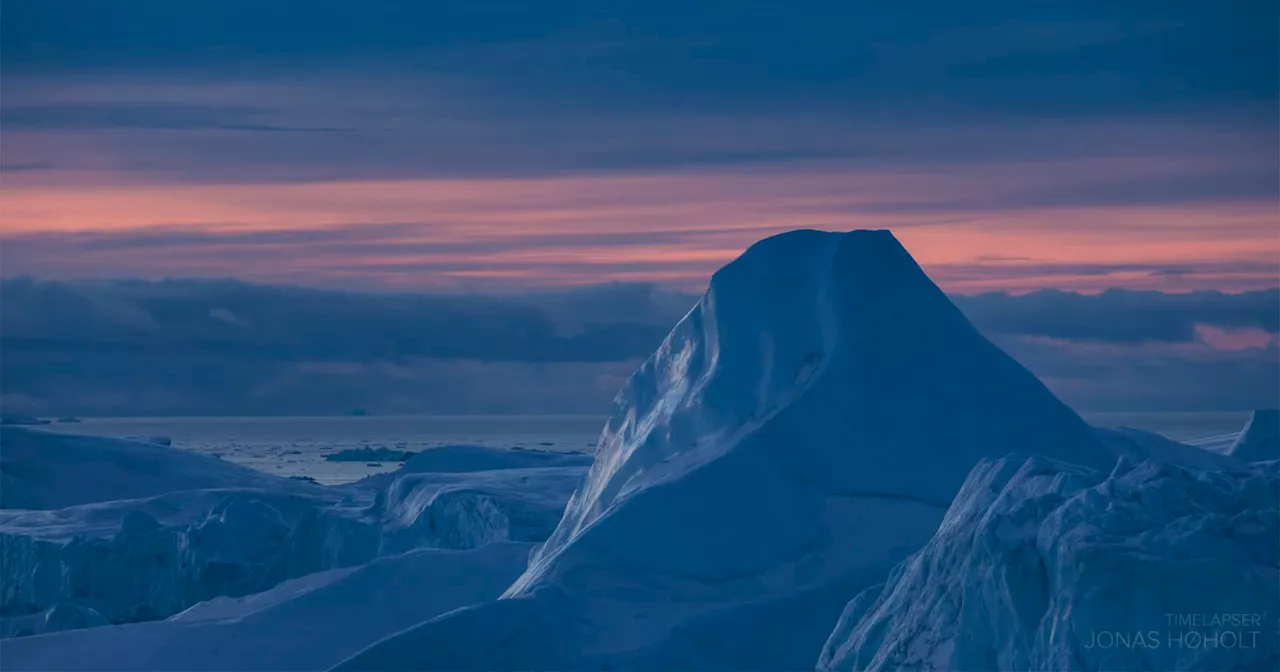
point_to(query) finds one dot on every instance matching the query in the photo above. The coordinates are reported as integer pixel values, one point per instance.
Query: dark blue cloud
(908, 58)
(211, 347)
(1121, 316)
(503, 88)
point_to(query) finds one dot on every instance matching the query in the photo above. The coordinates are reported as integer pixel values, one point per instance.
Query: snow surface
(1136, 445)
(1041, 565)
(47, 470)
(1260, 440)
(305, 624)
(801, 430)
(59, 617)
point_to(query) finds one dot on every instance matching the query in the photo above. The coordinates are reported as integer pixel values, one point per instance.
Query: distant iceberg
(367, 454)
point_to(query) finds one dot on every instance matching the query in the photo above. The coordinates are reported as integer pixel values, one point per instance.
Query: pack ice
(118, 531)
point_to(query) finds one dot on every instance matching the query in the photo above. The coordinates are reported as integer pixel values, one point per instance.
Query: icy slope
(306, 624)
(1041, 565)
(803, 428)
(1260, 440)
(47, 470)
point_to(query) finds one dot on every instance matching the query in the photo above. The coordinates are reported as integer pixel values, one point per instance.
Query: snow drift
(801, 430)
(48, 470)
(1041, 565)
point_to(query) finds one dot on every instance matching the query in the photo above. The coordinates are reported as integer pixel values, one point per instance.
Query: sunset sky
(492, 145)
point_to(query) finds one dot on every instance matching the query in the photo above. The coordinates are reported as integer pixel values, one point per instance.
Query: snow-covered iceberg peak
(799, 432)
(835, 354)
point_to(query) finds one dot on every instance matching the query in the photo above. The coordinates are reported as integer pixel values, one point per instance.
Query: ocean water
(296, 446)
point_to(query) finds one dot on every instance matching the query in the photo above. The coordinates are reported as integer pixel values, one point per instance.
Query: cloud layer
(205, 347)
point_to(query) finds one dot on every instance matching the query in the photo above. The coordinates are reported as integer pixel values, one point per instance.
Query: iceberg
(800, 431)
(1041, 565)
(368, 454)
(823, 425)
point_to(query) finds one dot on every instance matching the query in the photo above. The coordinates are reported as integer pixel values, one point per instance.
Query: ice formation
(1041, 565)
(1260, 440)
(139, 556)
(367, 454)
(309, 623)
(801, 430)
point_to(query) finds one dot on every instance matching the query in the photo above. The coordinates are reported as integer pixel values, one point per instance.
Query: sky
(491, 146)
(267, 207)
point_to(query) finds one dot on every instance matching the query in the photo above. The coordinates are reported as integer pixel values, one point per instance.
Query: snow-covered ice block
(1041, 565)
